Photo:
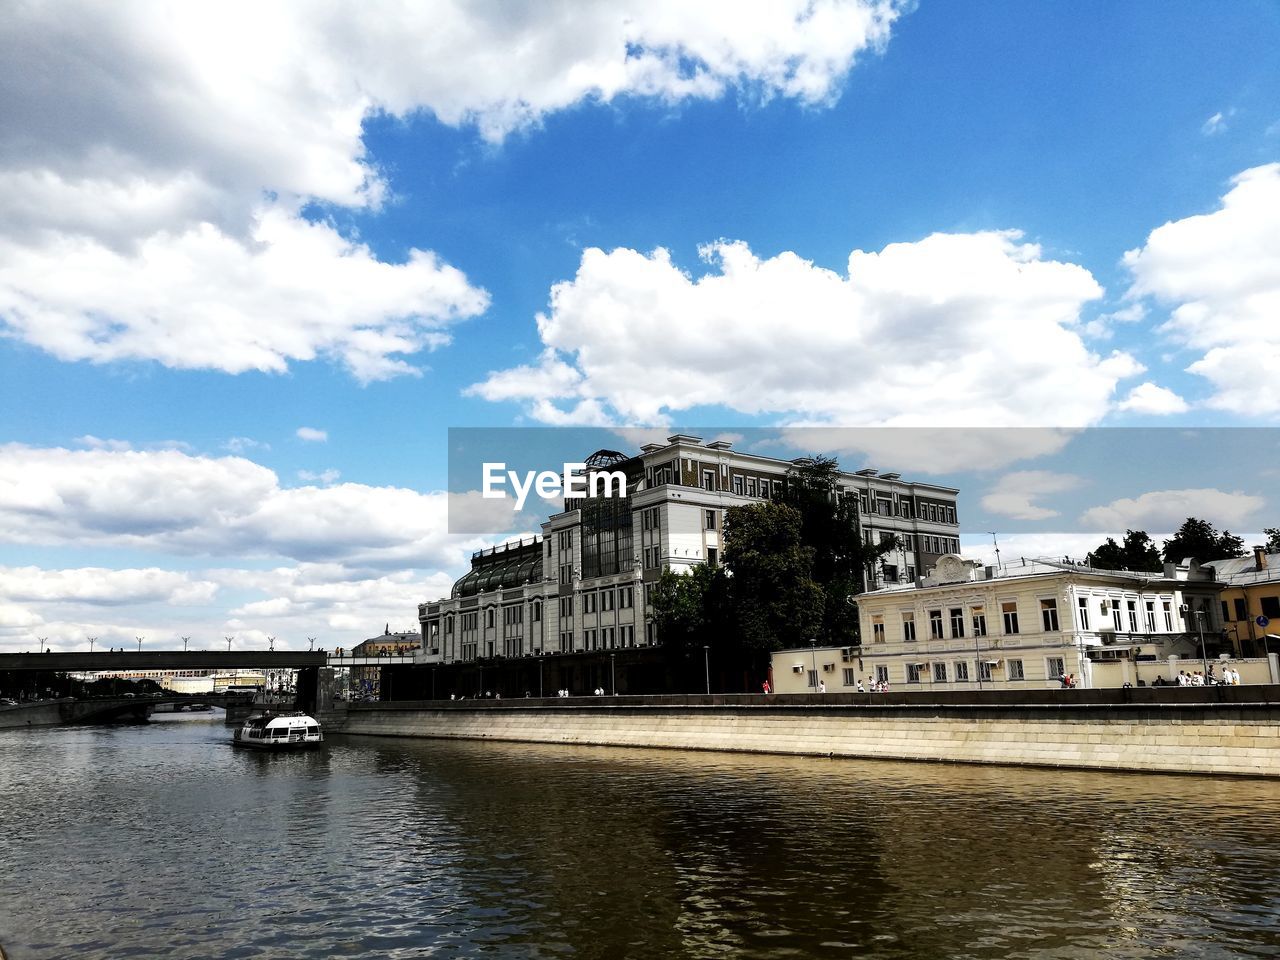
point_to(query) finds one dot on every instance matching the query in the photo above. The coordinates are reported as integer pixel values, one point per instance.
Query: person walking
(765, 687)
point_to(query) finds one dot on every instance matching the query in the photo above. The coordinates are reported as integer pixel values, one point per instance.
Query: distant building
(585, 583)
(1022, 624)
(388, 644)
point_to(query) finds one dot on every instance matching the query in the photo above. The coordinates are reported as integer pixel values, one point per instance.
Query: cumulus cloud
(1150, 398)
(99, 586)
(156, 159)
(312, 435)
(928, 449)
(1167, 509)
(1219, 273)
(1015, 495)
(216, 506)
(951, 330)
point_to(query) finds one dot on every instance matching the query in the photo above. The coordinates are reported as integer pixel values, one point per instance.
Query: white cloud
(951, 330)
(156, 157)
(1015, 494)
(239, 445)
(928, 450)
(312, 435)
(1219, 271)
(323, 477)
(1052, 545)
(99, 586)
(1215, 124)
(226, 506)
(1150, 398)
(1167, 509)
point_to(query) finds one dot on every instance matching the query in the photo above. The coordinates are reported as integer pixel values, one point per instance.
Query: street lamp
(43, 641)
(92, 641)
(184, 644)
(613, 677)
(140, 639)
(1204, 659)
(706, 666)
(228, 639)
(813, 650)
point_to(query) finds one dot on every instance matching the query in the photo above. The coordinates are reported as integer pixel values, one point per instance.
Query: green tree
(842, 560)
(691, 608)
(1273, 539)
(1138, 552)
(775, 601)
(1201, 540)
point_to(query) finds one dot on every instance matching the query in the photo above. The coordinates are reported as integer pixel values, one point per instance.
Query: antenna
(996, 544)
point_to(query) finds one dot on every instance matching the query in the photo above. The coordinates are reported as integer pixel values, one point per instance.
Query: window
(1049, 615)
(708, 479)
(1082, 613)
(588, 603)
(710, 519)
(566, 541)
(1009, 611)
(737, 488)
(537, 613)
(1226, 611)
(566, 573)
(1015, 670)
(979, 621)
(813, 679)
(1132, 607)
(877, 629)
(913, 672)
(961, 671)
(1151, 616)
(957, 622)
(566, 608)
(911, 573)
(890, 572)
(909, 627)
(606, 600)
(939, 673)
(1242, 610)
(935, 624)
(566, 643)
(1271, 607)
(1167, 607)
(882, 674)
(626, 598)
(1055, 668)
(713, 556)
(488, 617)
(984, 670)
(849, 679)
(448, 625)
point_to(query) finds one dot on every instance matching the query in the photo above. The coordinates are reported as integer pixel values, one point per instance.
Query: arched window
(488, 617)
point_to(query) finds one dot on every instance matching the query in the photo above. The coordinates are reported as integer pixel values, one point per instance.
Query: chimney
(1259, 558)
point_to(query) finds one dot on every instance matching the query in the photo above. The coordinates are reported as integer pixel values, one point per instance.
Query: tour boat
(293, 731)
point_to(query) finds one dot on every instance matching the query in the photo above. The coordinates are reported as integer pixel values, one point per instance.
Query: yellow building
(1249, 603)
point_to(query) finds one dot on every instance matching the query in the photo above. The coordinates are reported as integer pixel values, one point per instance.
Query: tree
(1201, 540)
(842, 560)
(691, 608)
(1137, 553)
(1273, 539)
(776, 602)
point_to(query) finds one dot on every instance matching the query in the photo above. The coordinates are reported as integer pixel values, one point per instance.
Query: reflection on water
(160, 841)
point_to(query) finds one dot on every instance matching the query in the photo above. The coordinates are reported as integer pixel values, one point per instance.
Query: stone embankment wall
(1235, 732)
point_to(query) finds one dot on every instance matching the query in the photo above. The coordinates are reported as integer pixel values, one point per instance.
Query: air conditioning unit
(1183, 608)
(828, 667)
(1105, 607)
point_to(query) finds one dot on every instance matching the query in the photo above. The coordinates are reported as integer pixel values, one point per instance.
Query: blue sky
(220, 228)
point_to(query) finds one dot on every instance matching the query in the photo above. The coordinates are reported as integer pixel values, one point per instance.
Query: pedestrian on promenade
(822, 686)
(765, 687)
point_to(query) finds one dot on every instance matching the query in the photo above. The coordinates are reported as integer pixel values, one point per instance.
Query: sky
(255, 262)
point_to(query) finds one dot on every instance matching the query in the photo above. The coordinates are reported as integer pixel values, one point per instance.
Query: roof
(499, 568)
(1242, 571)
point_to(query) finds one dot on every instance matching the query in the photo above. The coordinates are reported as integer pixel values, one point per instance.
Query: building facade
(1024, 624)
(1249, 605)
(584, 583)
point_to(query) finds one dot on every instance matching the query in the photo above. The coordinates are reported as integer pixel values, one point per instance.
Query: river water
(161, 841)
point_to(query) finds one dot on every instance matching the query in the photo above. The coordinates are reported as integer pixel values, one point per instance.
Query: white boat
(279, 732)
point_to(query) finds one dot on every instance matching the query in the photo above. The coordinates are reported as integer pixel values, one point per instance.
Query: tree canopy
(1138, 552)
(1201, 540)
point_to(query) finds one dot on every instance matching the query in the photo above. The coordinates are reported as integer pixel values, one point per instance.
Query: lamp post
(706, 667)
(311, 643)
(1204, 659)
(43, 641)
(613, 677)
(92, 641)
(228, 639)
(977, 657)
(140, 639)
(813, 650)
(184, 644)
(271, 644)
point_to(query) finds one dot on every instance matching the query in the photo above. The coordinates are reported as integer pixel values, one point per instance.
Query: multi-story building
(1022, 624)
(390, 644)
(1249, 604)
(584, 584)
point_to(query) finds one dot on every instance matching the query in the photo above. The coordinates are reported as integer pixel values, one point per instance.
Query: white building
(1021, 624)
(584, 583)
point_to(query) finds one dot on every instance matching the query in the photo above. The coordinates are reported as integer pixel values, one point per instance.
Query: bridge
(68, 710)
(84, 661)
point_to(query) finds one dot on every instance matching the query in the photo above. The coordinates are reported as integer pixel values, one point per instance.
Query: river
(161, 841)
